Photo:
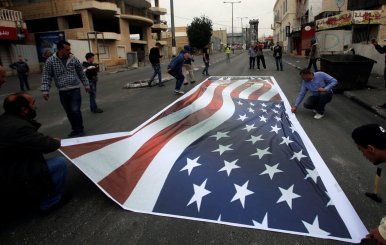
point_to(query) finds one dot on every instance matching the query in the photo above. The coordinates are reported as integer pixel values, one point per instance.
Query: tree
(199, 32)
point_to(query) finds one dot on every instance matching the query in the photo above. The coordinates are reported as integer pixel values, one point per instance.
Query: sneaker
(161, 85)
(75, 134)
(98, 110)
(318, 116)
(178, 92)
(186, 83)
(64, 200)
(192, 81)
(149, 83)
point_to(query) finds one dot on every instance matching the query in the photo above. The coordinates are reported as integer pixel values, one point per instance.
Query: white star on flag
(263, 105)
(252, 104)
(199, 193)
(263, 119)
(220, 135)
(287, 196)
(251, 110)
(271, 170)
(228, 166)
(313, 174)
(241, 193)
(240, 103)
(261, 153)
(286, 140)
(242, 117)
(278, 106)
(275, 129)
(221, 149)
(330, 203)
(275, 111)
(314, 228)
(298, 155)
(190, 165)
(249, 127)
(263, 110)
(263, 224)
(254, 139)
(292, 127)
(278, 119)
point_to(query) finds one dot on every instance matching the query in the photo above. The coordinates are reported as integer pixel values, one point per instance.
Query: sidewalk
(370, 98)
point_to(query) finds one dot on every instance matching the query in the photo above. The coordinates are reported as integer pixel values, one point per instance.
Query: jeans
(279, 63)
(189, 72)
(71, 101)
(57, 169)
(157, 71)
(312, 62)
(92, 94)
(318, 102)
(205, 71)
(251, 62)
(179, 77)
(258, 58)
(23, 79)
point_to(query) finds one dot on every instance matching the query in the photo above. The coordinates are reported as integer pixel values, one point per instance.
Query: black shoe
(75, 134)
(192, 81)
(149, 83)
(202, 73)
(186, 83)
(98, 110)
(161, 85)
(64, 200)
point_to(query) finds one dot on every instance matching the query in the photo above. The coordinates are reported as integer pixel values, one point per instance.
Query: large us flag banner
(229, 152)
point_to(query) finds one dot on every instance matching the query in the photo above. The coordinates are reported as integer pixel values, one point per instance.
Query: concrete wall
(369, 51)
(330, 5)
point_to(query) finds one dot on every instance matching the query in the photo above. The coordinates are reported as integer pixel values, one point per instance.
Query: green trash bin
(351, 71)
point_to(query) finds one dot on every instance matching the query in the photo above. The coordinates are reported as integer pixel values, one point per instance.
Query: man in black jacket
(24, 173)
(154, 57)
(91, 69)
(22, 69)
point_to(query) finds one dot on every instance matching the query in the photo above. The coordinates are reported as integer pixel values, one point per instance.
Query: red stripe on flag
(276, 98)
(255, 95)
(235, 93)
(120, 183)
(74, 151)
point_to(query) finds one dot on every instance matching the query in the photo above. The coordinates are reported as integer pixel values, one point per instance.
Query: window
(121, 51)
(104, 52)
(74, 21)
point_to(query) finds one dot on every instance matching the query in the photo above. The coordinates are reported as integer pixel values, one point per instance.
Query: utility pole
(232, 2)
(242, 35)
(173, 29)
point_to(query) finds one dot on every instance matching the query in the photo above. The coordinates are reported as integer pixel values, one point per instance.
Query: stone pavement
(370, 97)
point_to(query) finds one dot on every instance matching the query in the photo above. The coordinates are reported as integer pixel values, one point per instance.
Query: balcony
(10, 15)
(97, 5)
(158, 10)
(139, 3)
(159, 26)
(137, 18)
(101, 35)
(12, 26)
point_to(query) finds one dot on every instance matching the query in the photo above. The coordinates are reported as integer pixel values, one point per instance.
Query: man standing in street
(320, 84)
(91, 69)
(24, 173)
(205, 58)
(252, 57)
(22, 72)
(259, 55)
(371, 141)
(154, 57)
(278, 53)
(314, 55)
(66, 70)
(175, 68)
(228, 53)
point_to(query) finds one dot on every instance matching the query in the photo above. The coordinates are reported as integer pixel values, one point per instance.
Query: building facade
(112, 29)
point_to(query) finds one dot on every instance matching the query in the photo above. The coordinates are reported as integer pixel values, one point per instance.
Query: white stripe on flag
(144, 195)
(247, 92)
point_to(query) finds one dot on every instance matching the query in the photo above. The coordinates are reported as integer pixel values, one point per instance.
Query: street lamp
(232, 2)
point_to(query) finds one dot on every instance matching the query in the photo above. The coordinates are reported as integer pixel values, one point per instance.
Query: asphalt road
(92, 218)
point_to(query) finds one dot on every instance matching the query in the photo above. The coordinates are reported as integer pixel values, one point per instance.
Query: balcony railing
(10, 15)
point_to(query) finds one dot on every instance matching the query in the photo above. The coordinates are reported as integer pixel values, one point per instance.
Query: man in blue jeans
(66, 70)
(175, 68)
(25, 176)
(320, 84)
(91, 69)
(154, 57)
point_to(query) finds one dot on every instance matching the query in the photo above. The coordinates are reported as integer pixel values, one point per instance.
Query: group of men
(256, 54)
(26, 174)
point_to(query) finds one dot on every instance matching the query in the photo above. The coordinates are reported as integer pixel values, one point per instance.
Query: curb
(378, 111)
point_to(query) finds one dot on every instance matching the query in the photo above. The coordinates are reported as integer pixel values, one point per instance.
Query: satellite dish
(339, 3)
(307, 28)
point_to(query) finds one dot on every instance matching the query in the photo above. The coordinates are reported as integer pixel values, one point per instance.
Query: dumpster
(351, 71)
